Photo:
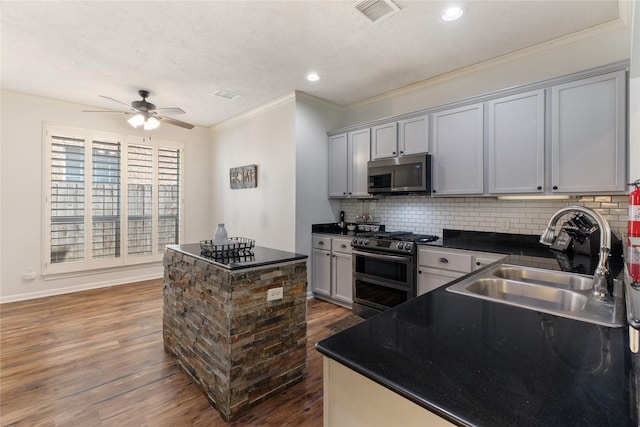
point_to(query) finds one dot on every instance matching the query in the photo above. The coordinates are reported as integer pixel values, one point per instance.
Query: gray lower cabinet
(588, 136)
(331, 268)
(439, 266)
(457, 148)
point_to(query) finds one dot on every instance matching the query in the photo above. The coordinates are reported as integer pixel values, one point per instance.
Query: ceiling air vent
(376, 10)
(225, 94)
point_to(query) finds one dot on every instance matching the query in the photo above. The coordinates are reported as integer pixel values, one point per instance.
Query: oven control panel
(383, 244)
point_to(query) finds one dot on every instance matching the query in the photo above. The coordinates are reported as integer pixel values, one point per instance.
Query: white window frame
(88, 263)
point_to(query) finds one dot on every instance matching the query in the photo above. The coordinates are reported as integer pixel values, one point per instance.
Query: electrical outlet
(275, 293)
(505, 225)
(30, 274)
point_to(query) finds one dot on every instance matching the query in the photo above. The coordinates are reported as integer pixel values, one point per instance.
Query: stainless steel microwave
(400, 175)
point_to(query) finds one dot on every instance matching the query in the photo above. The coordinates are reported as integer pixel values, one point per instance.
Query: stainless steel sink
(554, 292)
(545, 277)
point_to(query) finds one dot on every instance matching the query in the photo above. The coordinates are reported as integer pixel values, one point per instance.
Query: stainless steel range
(384, 270)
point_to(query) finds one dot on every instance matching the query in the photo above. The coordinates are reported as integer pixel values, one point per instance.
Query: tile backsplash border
(429, 215)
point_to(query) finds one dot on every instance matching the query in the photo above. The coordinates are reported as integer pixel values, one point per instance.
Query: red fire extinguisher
(633, 234)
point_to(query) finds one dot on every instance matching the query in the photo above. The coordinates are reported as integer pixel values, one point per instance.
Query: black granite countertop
(480, 363)
(259, 256)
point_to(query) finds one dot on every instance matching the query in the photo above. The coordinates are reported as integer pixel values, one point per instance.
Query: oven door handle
(402, 259)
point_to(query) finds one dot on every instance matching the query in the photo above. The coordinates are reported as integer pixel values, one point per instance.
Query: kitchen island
(474, 362)
(237, 326)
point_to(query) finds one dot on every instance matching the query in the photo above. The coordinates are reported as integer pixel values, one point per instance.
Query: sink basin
(545, 277)
(554, 292)
(528, 294)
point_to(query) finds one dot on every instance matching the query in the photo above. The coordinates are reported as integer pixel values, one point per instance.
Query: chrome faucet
(601, 276)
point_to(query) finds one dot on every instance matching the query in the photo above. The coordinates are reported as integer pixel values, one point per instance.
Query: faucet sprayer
(601, 277)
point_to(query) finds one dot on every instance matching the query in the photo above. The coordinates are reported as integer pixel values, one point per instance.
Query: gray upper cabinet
(348, 157)
(384, 141)
(338, 165)
(516, 143)
(359, 155)
(458, 136)
(413, 135)
(401, 138)
(588, 135)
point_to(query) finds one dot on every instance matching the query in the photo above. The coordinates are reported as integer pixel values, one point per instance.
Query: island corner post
(237, 347)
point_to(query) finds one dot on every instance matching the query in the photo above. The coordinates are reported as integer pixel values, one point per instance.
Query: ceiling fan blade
(105, 111)
(119, 102)
(174, 122)
(170, 110)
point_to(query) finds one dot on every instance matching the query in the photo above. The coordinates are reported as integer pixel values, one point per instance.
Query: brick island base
(236, 346)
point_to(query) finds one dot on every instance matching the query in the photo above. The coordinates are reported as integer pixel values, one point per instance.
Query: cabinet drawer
(341, 245)
(445, 260)
(321, 242)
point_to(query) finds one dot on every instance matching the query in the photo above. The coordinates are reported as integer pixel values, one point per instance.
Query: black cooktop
(405, 236)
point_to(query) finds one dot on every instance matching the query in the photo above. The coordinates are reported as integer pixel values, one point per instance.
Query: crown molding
(277, 102)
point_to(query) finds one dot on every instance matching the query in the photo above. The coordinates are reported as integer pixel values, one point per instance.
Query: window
(111, 200)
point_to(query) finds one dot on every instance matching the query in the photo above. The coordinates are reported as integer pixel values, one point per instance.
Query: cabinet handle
(443, 260)
(328, 254)
(402, 152)
(478, 263)
(350, 193)
(343, 245)
(419, 271)
(321, 242)
(344, 193)
(394, 153)
(539, 187)
(555, 187)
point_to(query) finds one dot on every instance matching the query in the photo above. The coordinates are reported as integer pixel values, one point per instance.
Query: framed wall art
(243, 177)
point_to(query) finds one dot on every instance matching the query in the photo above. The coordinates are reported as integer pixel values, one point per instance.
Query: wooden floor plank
(96, 358)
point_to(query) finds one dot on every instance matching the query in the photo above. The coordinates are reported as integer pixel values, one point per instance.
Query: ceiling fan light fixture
(452, 13)
(137, 120)
(151, 123)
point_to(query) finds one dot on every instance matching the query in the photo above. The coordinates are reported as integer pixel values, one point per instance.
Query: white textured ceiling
(183, 51)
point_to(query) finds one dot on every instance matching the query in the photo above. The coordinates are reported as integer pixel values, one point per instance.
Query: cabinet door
(359, 155)
(321, 272)
(516, 143)
(458, 150)
(384, 141)
(430, 279)
(588, 135)
(338, 165)
(342, 277)
(480, 261)
(413, 136)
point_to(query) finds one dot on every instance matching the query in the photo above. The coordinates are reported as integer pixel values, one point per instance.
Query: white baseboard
(78, 288)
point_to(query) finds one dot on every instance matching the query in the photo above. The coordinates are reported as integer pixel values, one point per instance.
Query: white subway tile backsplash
(430, 215)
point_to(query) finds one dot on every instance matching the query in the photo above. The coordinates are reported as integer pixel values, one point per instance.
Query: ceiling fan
(146, 114)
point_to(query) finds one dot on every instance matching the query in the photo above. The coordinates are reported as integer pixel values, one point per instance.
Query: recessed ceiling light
(313, 77)
(452, 13)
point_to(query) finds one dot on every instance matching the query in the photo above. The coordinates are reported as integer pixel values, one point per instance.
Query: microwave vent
(376, 10)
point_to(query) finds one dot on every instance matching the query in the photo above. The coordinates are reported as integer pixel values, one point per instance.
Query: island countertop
(476, 362)
(260, 256)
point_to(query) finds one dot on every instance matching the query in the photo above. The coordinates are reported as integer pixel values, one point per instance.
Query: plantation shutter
(67, 195)
(168, 197)
(106, 199)
(140, 200)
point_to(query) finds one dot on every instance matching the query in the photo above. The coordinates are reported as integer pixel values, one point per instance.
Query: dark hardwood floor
(96, 358)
